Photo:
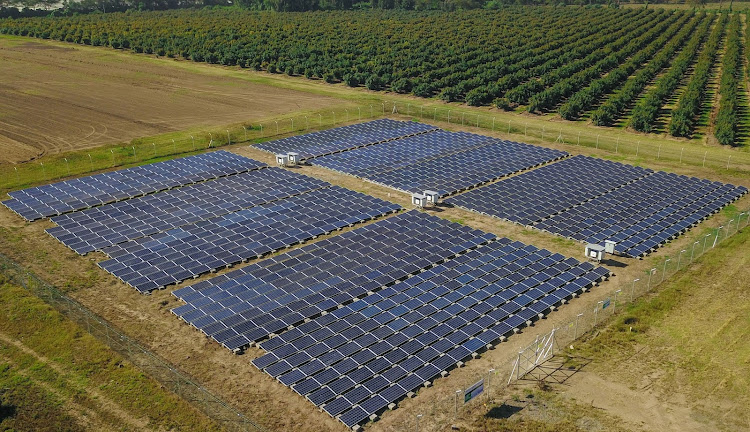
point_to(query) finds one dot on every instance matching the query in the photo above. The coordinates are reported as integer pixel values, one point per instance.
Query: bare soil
(58, 97)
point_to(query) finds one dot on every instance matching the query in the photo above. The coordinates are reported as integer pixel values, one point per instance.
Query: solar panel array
(85, 192)
(643, 215)
(251, 303)
(111, 224)
(172, 256)
(345, 137)
(356, 360)
(538, 194)
(442, 161)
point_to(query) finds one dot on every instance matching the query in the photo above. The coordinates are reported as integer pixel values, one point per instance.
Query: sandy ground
(149, 320)
(58, 97)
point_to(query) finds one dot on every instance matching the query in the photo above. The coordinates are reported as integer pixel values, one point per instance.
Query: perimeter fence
(151, 364)
(608, 142)
(600, 305)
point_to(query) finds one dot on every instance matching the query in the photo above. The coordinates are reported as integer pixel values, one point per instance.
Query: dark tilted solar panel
(99, 227)
(172, 256)
(345, 137)
(251, 303)
(535, 195)
(85, 192)
(442, 161)
(644, 214)
(463, 307)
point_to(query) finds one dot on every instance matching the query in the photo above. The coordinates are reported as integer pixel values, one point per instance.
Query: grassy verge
(689, 338)
(55, 376)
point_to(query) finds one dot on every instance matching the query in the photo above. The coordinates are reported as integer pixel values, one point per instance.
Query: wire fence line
(446, 408)
(170, 376)
(145, 150)
(609, 142)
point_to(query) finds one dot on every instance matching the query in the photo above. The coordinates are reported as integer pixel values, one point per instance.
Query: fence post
(596, 311)
(664, 272)
(632, 289)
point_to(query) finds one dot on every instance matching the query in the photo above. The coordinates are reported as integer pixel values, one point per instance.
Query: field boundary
(148, 150)
(146, 361)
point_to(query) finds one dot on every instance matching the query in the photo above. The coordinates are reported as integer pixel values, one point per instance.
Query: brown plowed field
(56, 97)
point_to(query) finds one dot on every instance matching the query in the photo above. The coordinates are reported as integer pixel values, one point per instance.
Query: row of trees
(689, 105)
(27, 8)
(645, 113)
(590, 54)
(552, 96)
(665, 45)
(725, 126)
(423, 53)
(536, 69)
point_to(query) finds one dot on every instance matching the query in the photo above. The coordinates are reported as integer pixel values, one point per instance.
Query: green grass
(694, 330)
(53, 365)
(25, 405)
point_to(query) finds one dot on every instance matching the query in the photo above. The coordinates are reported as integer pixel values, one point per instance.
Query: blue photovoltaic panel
(249, 304)
(359, 358)
(158, 260)
(345, 137)
(403, 152)
(541, 193)
(85, 192)
(446, 162)
(111, 224)
(642, 215)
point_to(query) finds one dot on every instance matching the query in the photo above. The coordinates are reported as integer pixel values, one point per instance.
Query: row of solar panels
(345, 138)
(414, 307)
(241, 213)
(465, 161)
(155, 261)
(594, 200)
(382, 152)
(85, 192)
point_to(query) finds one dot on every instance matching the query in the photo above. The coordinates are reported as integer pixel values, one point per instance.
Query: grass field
(678, 359)
(57, 377)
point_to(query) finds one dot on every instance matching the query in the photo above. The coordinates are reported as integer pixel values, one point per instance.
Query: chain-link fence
(146, 361)
(608, 141)
(446, 407)
(144, 150)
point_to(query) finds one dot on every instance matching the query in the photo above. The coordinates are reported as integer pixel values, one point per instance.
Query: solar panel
(369, 368)
(286, 290)
(172, 256)
(345, 137)
(85, 192)
(446, 162)
(642, 215)
(100, 227)
(535, 195)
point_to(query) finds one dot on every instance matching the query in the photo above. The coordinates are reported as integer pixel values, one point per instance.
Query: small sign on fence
(606, 303)
(474, 391)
